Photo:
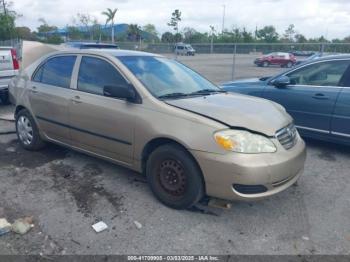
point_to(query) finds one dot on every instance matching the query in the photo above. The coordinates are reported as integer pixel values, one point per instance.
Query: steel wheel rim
(172, 178)
(25, 130)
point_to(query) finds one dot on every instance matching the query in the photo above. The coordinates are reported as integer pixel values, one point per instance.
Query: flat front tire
(27, 131)
(174, 177)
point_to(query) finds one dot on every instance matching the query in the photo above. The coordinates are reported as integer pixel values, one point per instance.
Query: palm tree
(110, 14)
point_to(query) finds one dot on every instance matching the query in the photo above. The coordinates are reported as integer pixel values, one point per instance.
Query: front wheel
(174, 177)
(27, 131)
(265, 64)
(289, 64)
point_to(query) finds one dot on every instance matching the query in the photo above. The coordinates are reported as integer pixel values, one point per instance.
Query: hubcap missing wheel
(172, 178)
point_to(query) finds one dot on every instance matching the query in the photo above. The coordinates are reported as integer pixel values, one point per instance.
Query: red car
(277, 58)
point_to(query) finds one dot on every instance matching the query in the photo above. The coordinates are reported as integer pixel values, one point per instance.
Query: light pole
(223, 19)
(212, 28)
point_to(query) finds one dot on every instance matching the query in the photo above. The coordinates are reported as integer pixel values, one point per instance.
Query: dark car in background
(90, 45)
(302, 53)
(316, 94)
(277, 58)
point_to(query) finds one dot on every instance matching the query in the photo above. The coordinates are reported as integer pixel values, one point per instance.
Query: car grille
(287, 136)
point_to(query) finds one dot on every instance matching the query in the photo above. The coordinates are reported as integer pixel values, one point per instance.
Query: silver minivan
(184, 49)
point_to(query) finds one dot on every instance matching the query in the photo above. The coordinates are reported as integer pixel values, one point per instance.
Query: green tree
(25, 33)
(247, 36)
(87, 22)
(110, 14)
(290, 33)
(44, 27)
(178, 37)
(134, 32)
(54, 39)
(74, 33)
(7, 20)
(268, 34)
(7, 26)
(151, 29)
(299, 38)
(167, 37)
(175, 19)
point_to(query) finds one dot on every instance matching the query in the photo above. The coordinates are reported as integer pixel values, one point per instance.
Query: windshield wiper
(207, 91)
(173, 95)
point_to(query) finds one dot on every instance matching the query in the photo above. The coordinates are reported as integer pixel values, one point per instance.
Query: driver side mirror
(121, 91)
(281, 81)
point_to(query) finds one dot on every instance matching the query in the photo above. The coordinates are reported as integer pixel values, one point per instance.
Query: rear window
(56, 71)
(5, 60)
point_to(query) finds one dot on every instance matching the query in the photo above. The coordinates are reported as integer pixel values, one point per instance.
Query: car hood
(240, 111)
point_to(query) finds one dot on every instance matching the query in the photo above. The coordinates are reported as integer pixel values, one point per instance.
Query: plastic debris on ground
(5, 226)
(100, 226)
(22, 225)
(138, 224)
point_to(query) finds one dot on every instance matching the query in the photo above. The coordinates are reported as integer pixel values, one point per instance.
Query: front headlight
(242, 141)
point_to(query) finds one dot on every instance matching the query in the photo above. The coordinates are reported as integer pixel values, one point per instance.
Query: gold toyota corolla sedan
(157, 116)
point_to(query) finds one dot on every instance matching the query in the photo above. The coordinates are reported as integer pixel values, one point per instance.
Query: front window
(95, 74)
(163, 76)
(319, 74)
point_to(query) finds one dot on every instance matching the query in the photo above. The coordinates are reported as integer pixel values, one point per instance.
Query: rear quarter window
(57, 71)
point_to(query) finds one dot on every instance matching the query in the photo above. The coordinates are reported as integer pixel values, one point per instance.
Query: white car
(9, 66)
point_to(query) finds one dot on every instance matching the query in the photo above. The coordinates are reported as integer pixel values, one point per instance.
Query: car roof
(89, 43)
(327, 57)
(112, 52)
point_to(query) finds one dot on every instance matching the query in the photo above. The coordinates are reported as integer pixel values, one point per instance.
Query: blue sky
(312, 18)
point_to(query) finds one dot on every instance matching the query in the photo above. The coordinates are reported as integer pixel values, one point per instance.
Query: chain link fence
(230, 61)
(222, 62)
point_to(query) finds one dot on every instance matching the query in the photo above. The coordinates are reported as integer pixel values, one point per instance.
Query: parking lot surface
(218, 67)
(66, 192)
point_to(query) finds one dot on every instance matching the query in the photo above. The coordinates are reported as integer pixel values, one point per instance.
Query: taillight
(14, 59)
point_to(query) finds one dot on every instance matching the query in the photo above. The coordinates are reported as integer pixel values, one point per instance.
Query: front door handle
(320, 96)
(76, 100)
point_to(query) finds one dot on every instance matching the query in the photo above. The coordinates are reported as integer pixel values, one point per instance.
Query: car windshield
(167, 78)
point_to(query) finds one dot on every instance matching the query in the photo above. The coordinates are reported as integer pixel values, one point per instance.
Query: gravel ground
(66, 192)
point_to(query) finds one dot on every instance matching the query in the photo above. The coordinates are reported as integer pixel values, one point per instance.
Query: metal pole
(223, 20)
(234, 61)
(322, 48)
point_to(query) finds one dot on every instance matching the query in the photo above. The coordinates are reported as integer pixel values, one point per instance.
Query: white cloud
(311, 17)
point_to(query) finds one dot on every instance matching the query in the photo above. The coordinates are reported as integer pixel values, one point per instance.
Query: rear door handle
(34, 90)
(320, 96)
(76, 100)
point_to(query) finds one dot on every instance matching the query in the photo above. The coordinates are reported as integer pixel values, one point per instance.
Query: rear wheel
(27, 131)
(174, 177)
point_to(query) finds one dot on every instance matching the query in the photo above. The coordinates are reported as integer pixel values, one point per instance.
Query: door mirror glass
(281, 81)
(120, 91)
